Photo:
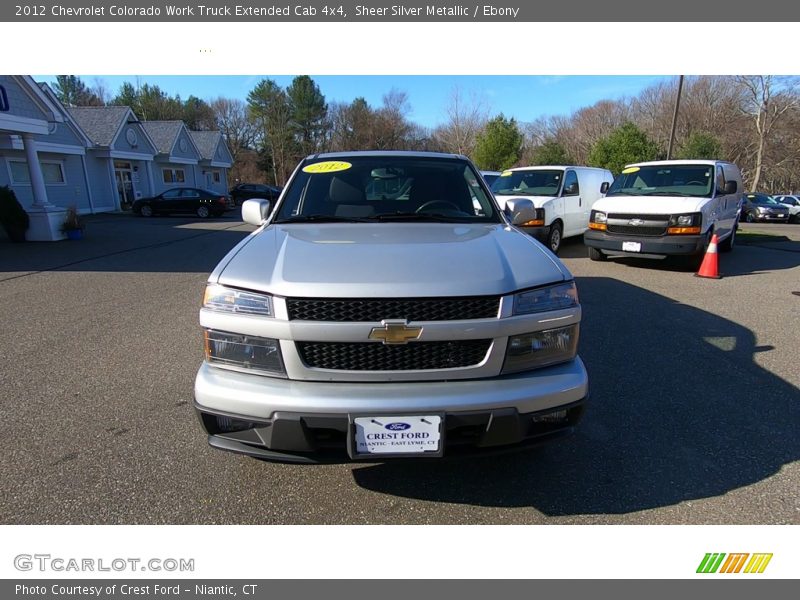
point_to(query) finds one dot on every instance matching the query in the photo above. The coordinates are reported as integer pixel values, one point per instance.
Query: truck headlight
(537, 221)
(554, 297)
(541, 349)
(221, 298)
(685, 224)
(598, 220)
(248, 352)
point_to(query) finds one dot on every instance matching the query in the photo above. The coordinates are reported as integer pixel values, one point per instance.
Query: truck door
(725, 205)
(575, 222)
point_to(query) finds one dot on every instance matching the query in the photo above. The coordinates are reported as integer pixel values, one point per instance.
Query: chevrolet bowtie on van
(662, 208)
(562, 196)
(375, 313)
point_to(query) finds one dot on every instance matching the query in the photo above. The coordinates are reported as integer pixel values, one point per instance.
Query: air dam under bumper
(667, 245)
(308, 422)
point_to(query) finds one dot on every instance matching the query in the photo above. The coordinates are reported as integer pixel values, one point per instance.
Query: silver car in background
(375, 314)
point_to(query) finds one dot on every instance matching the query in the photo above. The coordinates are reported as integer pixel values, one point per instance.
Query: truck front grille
(644, 225)
(365, 356)
(377, 309)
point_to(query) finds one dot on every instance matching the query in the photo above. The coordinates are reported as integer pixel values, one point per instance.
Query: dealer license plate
(631, 246)
(398, 434)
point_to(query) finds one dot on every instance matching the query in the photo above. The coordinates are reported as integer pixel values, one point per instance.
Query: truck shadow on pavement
(679, 410)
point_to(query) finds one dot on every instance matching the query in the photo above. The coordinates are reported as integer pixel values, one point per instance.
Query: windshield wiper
(413, 216)
(681, 194)
(323, 219)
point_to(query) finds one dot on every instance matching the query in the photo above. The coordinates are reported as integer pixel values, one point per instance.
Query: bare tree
(234, 122)
(466, 117)
(766, 99)
(392, 128)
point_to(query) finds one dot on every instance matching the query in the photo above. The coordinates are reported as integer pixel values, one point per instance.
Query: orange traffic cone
(710, 266)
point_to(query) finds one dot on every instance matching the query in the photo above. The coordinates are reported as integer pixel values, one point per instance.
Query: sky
(523, 97)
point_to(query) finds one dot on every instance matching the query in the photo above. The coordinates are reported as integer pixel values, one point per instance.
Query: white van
(562, 195)
(660, 208)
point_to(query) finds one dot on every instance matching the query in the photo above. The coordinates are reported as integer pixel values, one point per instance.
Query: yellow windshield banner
(328, 166)
(506, 173)
(629, 170)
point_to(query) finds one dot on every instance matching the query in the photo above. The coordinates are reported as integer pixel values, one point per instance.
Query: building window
(216, 176)
(52, 171)
(174, 176)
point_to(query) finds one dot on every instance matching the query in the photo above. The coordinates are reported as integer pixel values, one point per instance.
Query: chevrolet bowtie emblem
(395, 332)
(636, 222)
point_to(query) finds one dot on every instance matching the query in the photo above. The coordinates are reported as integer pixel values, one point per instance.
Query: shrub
(12, 216)
(72, 222)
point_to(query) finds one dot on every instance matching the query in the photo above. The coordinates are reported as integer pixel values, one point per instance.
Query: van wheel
(595, 254)
(727, 244)
(554, 237)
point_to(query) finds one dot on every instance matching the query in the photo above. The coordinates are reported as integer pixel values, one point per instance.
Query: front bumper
(681, 245)
(771, 218)
(539, 233)
(308, 422)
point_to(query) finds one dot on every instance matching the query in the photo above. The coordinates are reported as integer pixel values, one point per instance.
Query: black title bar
(441, 11)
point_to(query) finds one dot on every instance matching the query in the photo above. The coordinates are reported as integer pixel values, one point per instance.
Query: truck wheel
(554, 237)
(595, 254)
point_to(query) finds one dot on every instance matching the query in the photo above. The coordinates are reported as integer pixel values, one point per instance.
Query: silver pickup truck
(386, 308)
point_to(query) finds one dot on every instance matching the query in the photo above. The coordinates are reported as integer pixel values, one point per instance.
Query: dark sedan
(202, 203)
(247, 191)
(760, 207)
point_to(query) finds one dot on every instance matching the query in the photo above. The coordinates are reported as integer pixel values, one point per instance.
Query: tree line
(753, 121)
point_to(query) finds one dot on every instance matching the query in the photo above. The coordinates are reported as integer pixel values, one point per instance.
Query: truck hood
(649, 205)
(384, 260)
(538, 201)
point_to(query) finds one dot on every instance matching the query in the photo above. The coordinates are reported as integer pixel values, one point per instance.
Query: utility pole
(675, 118)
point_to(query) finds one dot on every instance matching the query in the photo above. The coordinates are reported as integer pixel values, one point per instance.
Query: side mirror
(571, 189)
(521, 210)
(604, 187)
(255, 211)
(730, 187)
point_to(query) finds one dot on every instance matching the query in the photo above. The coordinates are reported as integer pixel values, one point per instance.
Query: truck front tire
(554, 237)
(595, 254)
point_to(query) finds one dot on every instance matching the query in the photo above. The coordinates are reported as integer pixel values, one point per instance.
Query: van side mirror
(604, 187)
(730, 187)
(571, 189)
(520, 210)
(255, 211)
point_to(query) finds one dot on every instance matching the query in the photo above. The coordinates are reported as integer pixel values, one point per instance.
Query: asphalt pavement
(694, 412)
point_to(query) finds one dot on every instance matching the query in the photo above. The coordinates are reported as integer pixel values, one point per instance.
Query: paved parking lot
(694, 415)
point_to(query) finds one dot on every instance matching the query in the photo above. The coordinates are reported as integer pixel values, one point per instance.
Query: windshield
(664, 180)
(529, 183)
(762, 199)
(387, 188)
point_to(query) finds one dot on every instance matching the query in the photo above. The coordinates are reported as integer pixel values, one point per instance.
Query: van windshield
(541, 182)
(664, 180)
(387, 188)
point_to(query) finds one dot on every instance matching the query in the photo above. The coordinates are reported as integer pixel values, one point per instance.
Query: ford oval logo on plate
(397, 426)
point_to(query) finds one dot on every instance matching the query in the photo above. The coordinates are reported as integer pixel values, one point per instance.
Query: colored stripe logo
(719, 562)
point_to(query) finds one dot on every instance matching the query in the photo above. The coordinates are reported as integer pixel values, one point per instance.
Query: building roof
(163, 134)
(206, 142)
(100, 123)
